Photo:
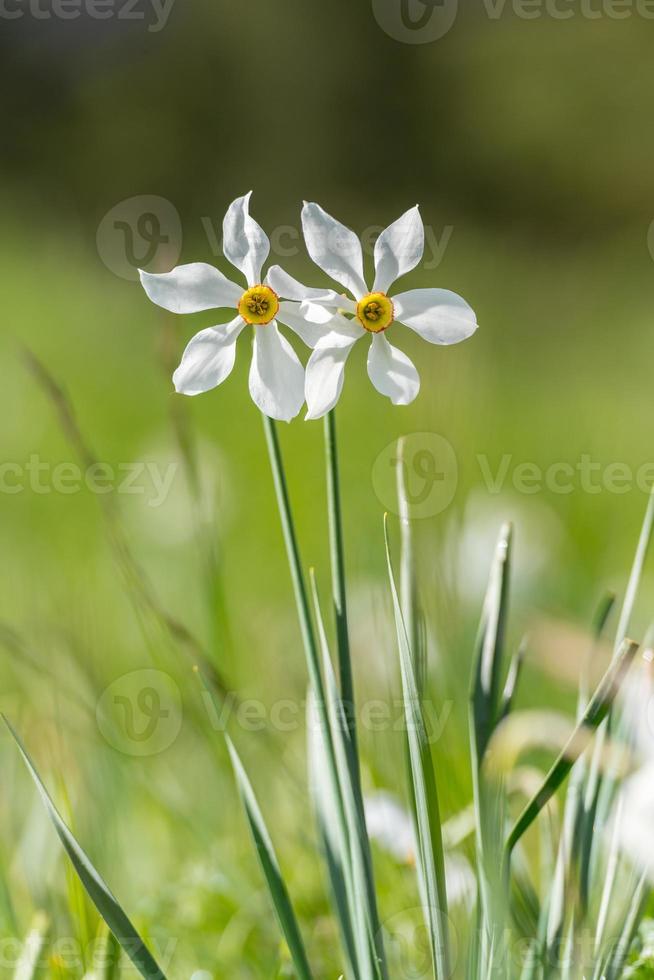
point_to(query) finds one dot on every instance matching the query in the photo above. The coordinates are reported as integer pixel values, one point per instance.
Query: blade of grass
(570, 847)
(601, 786)
(486, 679)
(364, 898)
(331, 831)
(595, 712)
(488, 799)
(140, 588)
(95, 886)
(424, 792)
(337, 557)
(408, 585)
(635, 913)
(309, 639)
(29, 962)
(270, 866)
(512, 680)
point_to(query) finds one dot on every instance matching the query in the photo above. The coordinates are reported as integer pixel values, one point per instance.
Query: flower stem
(293, 553)
(336, 552)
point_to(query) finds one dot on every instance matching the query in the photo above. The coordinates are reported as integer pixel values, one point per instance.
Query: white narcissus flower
(276, 374)
(389, 823)
(437, 315)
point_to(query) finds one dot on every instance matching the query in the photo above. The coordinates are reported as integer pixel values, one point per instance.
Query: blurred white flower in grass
(471, 541)
(391, 828)
(634, 811)
(635, 816)
(276, 374)
(437, 315)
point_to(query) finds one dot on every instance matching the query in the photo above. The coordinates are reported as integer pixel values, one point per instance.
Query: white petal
(308, 331)
(398, 249)
(324, 378)
(190, 288)
(319, 312)
(276, 375)
(438, 315)
(391, 371)
(335, 248)
(339, 332)
(208, 358)
(245, 243)
(290, 288)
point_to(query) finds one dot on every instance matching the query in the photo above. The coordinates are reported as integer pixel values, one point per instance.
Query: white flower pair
(325, 321)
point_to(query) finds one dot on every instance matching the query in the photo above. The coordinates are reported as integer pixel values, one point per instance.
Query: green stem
(293, 552)
(311, 649)
(336, 552)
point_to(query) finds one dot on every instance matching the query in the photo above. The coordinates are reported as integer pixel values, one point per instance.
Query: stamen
(375, 312)
(258, 305)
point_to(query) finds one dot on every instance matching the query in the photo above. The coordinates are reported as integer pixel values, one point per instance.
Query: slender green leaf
(327, 805)
(425, 794)
(337, 558)
(29, 961)
(512, 680)
(630, 925)
(594, 714)
(363, 899)
(95, 886)
(484, 714)
(272, 873)
(486, 678)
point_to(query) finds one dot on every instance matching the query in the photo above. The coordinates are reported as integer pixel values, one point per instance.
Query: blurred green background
(528, 144)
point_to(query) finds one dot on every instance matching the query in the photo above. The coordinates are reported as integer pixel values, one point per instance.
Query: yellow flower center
(375, 312)
(258, 304)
